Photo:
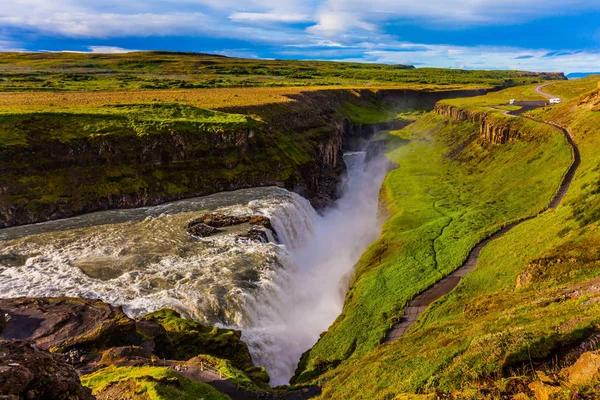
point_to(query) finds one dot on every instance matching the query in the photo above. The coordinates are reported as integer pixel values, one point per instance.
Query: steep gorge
(296, 145)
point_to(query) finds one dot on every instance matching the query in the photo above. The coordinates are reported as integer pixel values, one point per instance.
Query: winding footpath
(419, 304)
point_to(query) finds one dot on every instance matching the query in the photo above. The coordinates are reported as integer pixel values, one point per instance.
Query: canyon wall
(493, 130)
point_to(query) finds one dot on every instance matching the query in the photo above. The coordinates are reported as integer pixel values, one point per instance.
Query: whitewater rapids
(281, 295)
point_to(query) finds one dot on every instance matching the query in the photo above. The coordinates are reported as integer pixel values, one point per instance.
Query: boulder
(62, 324)
(27, 372)
(220, 220)
(585, 371)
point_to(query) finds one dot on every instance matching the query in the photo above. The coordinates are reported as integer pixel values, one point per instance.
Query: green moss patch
(151, 383)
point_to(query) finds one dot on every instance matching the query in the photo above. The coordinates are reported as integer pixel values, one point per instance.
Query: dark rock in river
(210, 224)
(27, 372)
(200, 229)
(220, 220)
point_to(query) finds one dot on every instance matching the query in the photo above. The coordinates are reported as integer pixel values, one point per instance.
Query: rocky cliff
(491, 129)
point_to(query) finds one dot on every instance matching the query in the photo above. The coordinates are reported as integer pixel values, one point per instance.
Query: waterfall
(281, 295)
(319, 253)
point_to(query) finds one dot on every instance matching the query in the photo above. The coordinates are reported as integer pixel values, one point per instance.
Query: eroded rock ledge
(491, 130)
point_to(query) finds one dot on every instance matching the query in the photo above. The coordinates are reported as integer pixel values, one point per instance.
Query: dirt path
(540, 90)
(420, 303)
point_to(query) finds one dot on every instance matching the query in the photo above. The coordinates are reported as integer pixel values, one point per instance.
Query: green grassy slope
(449, 192)
(533, 290)
(163, 70)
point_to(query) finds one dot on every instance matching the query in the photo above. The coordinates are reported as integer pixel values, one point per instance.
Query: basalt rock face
(491, 130)
(27, 372)
(51, 180)
(458, 114)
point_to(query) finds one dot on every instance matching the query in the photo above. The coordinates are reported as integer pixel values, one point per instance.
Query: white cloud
(484, 57)
(268, 17)
(9, 45)
(104, 25)
(109, 50)
(338, 16)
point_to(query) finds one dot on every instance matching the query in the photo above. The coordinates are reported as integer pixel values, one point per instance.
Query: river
(281, 295)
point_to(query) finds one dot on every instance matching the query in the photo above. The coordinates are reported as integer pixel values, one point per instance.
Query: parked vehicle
(555, 100)
(512, 102)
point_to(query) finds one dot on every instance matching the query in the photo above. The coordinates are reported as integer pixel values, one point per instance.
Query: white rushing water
(302, 302)
(282, 296)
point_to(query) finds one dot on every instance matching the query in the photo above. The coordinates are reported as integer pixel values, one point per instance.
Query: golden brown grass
(201, 98)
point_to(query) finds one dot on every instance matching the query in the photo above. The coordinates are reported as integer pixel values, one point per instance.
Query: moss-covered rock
(184, 339)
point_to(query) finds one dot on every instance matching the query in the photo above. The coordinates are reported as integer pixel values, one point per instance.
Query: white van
(512, 102)
(555, 100)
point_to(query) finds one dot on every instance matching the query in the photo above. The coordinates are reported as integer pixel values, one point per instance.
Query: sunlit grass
(441, 203)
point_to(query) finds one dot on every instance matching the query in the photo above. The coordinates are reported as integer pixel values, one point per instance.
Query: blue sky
(540, 35)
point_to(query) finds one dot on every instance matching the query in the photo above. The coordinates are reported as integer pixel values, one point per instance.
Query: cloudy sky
(541, 35)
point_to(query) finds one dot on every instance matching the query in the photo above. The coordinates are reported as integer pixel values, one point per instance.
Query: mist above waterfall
(302, 302)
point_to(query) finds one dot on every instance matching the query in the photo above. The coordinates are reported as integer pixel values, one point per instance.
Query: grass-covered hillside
(164, 70)
(517, 324)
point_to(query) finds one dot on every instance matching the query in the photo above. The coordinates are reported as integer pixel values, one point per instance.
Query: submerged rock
(256, 234)
(200, 229)
(27, 372)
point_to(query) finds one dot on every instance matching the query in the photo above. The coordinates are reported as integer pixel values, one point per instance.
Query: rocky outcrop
(497, 132)
(82, 329)
(591, 101)
(459, 114)
(183, 339)
(491, 129)
(585, 371)
(211, 224)
(63, 324)
(27, 372)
